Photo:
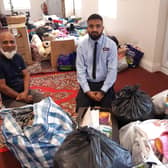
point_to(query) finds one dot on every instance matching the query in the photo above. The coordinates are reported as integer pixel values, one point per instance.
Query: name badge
(106, 49)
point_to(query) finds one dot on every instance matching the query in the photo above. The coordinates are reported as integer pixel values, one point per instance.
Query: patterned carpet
(62, 87)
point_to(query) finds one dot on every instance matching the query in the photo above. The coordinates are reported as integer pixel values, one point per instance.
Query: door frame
(164, 66)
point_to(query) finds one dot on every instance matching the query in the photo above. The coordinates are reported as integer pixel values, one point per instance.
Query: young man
(14, 77)
(96, 66)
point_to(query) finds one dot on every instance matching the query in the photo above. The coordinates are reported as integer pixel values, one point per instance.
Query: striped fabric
(35, 145)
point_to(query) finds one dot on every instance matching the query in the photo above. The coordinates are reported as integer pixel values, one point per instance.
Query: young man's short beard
(8, 55)
(95, 37)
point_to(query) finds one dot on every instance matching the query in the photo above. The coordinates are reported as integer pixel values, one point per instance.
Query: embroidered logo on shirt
(106, 49)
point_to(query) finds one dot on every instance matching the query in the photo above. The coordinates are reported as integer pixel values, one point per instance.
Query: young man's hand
(99, 96)
(91, 94)
(95, 95)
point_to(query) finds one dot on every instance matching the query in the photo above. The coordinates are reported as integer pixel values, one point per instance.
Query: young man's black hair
(95, 16)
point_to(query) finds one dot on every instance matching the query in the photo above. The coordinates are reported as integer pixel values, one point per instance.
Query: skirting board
(150, 67)
(164, 70)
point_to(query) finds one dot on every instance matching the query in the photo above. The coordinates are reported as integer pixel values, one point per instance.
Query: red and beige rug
(62, 87)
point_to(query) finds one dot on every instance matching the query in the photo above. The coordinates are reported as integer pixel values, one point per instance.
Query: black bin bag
(132, 104)
(89, 148)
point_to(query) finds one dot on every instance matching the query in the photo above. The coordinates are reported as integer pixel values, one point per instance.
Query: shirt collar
(99, 40)
(3, 57)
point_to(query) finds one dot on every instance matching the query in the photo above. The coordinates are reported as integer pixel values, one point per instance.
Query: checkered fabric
(35, 146)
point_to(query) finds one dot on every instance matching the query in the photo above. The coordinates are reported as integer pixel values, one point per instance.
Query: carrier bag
(132, 104)
(66, 62)
(160, 101)
(87, 147)
(34, 145)
(133, 56)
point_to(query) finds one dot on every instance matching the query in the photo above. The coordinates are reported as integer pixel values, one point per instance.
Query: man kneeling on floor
(14, 77)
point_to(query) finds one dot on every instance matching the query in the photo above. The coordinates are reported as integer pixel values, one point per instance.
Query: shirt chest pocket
(14, 72)
(88, 57)
(103, 57)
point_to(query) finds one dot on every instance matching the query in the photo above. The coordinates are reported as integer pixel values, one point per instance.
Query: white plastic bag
(159, 101)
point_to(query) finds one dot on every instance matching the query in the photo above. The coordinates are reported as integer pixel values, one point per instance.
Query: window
(108, 8)
(17, 4)
(72, 7)
(78, 6)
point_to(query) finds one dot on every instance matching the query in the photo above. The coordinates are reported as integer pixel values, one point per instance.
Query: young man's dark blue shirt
(11, 71)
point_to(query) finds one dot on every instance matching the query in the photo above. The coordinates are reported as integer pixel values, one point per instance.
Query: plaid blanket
(35, 146)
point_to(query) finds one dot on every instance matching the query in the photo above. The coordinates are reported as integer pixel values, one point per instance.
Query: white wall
(35, 11)
(55, 7)
(69, 10)
(142, 22)
(87, 7)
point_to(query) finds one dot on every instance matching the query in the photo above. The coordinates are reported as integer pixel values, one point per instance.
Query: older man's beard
(8, 55)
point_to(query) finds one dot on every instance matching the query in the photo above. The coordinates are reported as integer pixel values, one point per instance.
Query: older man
(14, 77)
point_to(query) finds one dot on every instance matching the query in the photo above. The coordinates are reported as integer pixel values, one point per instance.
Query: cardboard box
(115, 133)
(22, 40)
(59, 47)
(16, 19)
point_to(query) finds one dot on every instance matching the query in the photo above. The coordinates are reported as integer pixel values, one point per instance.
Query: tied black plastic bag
(88, 148)
(132, 104)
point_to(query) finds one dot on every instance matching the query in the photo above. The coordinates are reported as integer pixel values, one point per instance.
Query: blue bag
(66, 62)
(35, 145)
(133, 56)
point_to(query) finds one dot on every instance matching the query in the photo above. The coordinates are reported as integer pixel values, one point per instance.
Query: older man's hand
(23, 96)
